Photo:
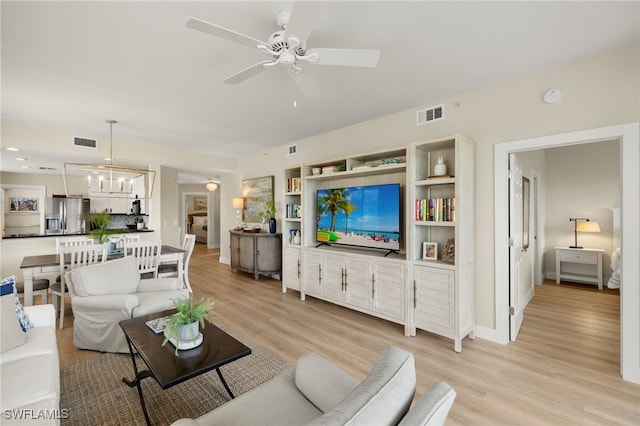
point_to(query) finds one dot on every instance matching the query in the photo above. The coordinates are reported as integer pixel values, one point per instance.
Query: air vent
(428, 115)
(291, 150)
(87, 143)
(46, 168)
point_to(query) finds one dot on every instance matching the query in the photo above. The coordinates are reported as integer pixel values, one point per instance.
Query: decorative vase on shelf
(296, 238)
(272, 225)
(440, 168)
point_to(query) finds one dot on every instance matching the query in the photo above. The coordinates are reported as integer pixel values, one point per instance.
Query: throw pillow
(11, 334)
(23, 318)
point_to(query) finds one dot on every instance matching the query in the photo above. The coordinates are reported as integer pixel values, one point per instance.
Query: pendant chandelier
(110, 180)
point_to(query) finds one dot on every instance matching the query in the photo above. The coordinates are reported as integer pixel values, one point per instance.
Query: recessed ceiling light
(25, 167)
(21, 159)
(107, 159)
(12, 149)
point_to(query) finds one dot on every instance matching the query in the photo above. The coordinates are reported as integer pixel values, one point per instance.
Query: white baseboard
(487, 333)
(224, 260)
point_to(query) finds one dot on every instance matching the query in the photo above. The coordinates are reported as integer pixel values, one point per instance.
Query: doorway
(628, 137)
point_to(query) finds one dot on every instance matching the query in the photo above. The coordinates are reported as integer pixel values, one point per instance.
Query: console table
(256, 252)
(583, 256)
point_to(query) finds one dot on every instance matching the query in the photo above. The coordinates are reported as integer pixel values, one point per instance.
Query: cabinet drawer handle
(373, 286)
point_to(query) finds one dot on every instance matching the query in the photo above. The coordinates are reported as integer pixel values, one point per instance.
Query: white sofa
(317, 392)
(30, 374)
(104, 294)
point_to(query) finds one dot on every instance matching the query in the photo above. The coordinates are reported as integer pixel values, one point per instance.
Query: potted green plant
(183, 326)
(100, 221)
(268, 213)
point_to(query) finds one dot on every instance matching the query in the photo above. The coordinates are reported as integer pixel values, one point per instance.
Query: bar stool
(40, 286)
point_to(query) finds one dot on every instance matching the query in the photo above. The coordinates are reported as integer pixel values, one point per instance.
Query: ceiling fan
(287, 47)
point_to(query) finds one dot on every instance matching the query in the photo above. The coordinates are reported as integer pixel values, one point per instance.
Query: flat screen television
(363, 216)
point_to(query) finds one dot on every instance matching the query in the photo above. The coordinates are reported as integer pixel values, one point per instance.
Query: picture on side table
(430, 251)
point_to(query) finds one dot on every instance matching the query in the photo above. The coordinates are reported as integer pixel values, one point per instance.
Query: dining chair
(40, 286)
(120, 239)
(72, 257)
(171, 269)
(147, 254)
(71, 242)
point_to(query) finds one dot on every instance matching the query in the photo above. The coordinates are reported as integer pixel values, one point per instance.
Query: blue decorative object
(272, 225)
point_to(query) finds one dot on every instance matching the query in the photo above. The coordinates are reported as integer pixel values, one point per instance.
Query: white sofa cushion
(322, 382)
(383, 397)
(118, 276)
(275, 402)
(30, 372)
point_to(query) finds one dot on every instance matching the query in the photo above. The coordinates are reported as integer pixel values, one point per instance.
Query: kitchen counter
(19, 236)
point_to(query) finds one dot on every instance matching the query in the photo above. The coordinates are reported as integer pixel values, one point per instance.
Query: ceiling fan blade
(304, 16)
(246, 73)
(307, 85)
(347, 57)
(218, 31)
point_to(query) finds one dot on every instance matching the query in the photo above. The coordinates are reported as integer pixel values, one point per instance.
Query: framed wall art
(23, 205)
(256, 192)
(200, 204)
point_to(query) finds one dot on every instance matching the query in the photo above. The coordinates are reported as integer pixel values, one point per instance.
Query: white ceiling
(69, 66)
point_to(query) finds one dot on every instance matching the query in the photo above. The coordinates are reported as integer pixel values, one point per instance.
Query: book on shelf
(294, 184)
(435, 210)
(293, 211)
(157, 325)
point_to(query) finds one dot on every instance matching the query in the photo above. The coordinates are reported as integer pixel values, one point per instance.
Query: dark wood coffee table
(217, 349)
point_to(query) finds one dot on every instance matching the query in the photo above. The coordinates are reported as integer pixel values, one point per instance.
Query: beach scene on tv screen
(366, 216)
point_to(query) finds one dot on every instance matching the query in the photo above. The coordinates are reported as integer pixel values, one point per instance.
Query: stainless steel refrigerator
(67, 215)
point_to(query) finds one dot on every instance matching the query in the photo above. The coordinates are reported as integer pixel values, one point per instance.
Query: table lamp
(582, 224)
(238, 204)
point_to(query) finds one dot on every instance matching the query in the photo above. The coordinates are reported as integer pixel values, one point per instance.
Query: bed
(198, 226)
(616, 255)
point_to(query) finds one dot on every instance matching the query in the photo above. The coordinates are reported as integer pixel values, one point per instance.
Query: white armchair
(102, 295)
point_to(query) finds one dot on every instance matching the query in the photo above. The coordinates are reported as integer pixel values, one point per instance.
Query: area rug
(93, 393)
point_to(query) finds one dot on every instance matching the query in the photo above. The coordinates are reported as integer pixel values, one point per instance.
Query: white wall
(583, 181)
(596, 93)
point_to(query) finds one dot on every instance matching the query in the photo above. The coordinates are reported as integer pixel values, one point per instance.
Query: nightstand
(585, 256)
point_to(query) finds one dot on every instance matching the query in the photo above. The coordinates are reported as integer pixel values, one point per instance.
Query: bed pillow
(199, 220)
(11, 332)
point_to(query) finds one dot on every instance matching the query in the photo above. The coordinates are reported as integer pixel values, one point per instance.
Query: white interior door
(516, 250)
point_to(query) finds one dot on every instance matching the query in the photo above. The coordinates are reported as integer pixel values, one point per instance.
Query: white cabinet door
(312, 273)
(358, 282)
(389, 283)
(291, 269)
(333, 269)
(434, 300)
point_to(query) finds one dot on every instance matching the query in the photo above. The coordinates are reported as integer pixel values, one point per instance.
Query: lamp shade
(587, 226)
(238, 203)
(212, 186)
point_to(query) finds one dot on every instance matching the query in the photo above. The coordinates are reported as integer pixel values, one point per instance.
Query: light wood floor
(563, 370)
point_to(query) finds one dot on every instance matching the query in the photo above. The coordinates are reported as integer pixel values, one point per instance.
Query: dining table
(46, 264)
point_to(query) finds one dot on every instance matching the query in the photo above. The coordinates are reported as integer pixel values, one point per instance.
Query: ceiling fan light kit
(287, 46)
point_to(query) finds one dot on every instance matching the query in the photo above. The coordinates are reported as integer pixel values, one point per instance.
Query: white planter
(189, 332)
